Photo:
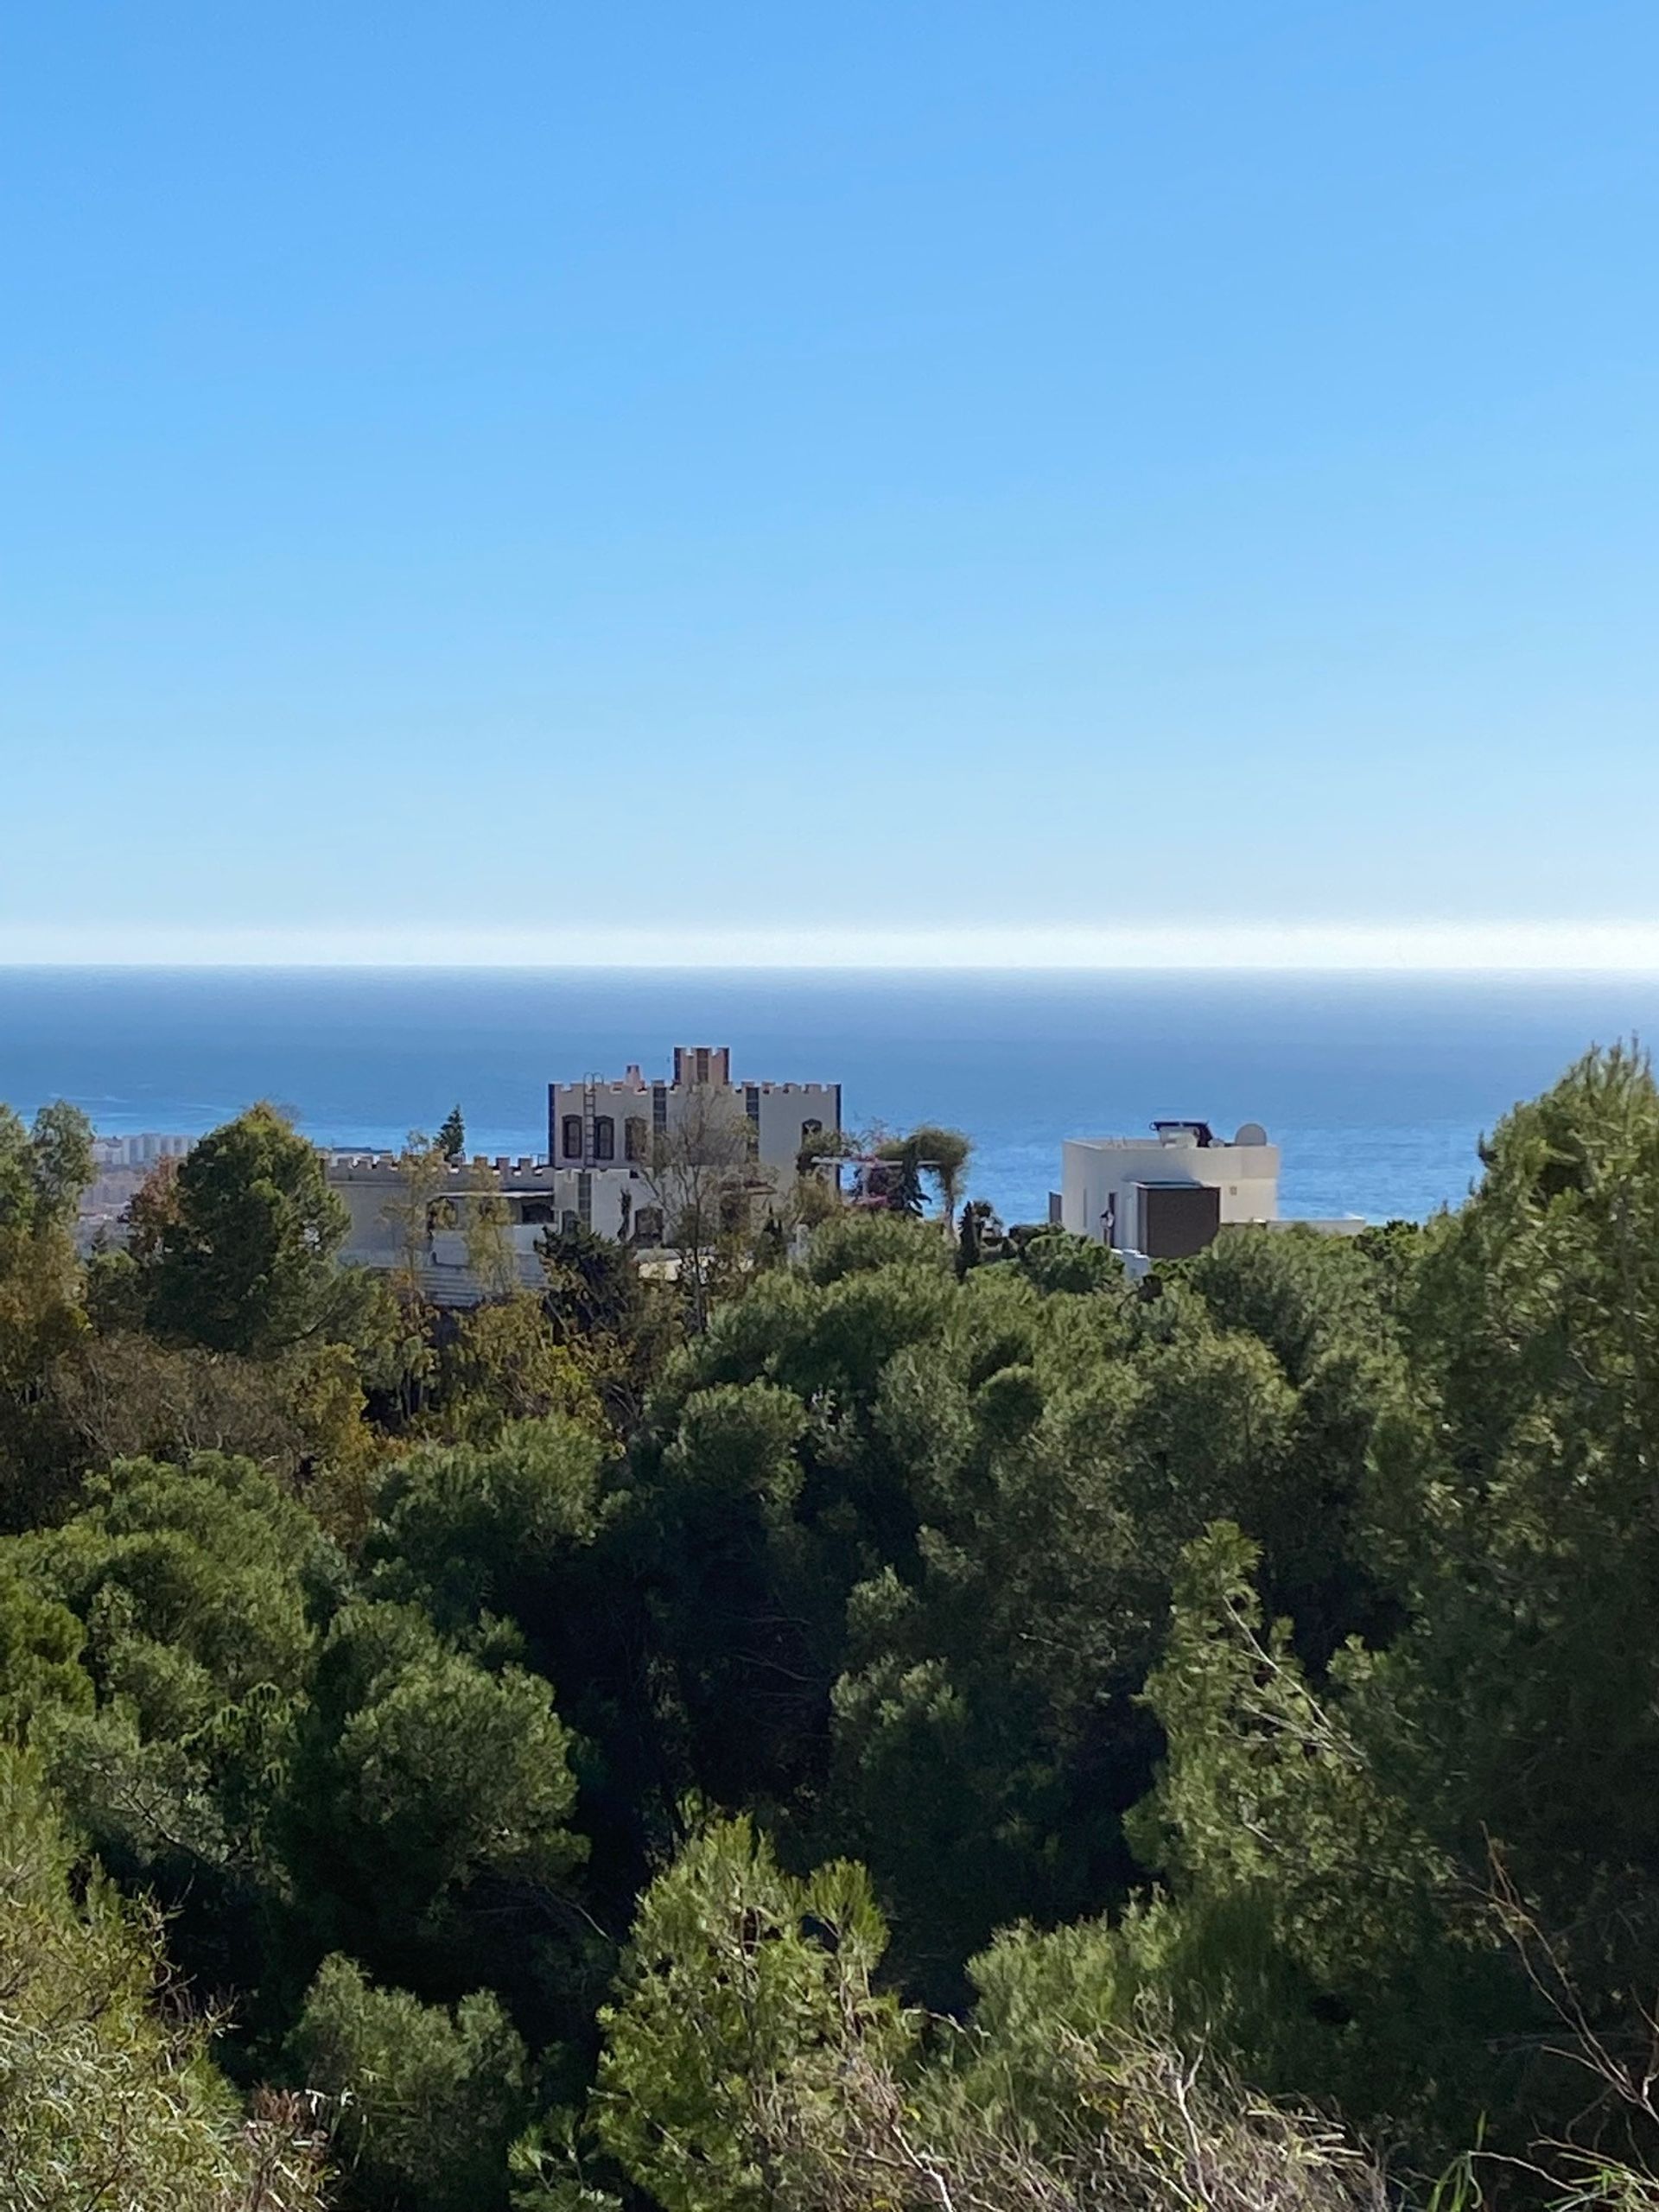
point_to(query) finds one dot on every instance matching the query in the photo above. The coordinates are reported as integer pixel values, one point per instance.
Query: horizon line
(1413, 948)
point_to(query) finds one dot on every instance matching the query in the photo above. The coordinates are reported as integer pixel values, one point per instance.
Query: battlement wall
(528, 1172)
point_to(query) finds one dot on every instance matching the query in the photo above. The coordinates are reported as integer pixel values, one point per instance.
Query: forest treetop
(937, 1722)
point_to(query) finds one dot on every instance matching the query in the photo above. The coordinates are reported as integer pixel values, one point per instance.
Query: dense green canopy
(922, 1721)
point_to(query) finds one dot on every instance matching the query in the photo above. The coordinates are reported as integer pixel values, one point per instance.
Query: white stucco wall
(1096, 1172)
(376, 1191)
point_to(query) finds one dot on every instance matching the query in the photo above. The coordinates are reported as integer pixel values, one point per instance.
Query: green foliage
(505, 1362)
(750, 2064)
(616, 1325)
(1258, 1683)
(1056, 1261)
(854, 1244)
(1313, 1926)
(40, 1644)
(744, 1991)
(452, 1135)
(244, 1264)
(899, 1181)
(429, 2097)
(106, 2096)
(432, 1783)
(471, 1530)
(194, 1585)
(42, 1171)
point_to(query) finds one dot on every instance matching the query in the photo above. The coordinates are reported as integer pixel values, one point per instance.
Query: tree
(59, 1167)
(504, 1362)
(616, 1326)
(122, 1396)
(106, 2093)
(247, 1264)
(452, 1135)
(928, 1150)
(527, 1538)
(702, 1173)
(431, 1805)
(751, 2066)
(472, 1531)
(900, 1174)
(198, 1591)
(491, 1260)
(427, 2098)
(43, 1171)
(422, 1204)
(152, 1209)
(944, 1154)
(41, 1673)
(978, 1233)
(1314, 1928)
(743, 1993)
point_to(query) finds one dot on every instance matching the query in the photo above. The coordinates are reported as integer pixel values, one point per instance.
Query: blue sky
(921, 481)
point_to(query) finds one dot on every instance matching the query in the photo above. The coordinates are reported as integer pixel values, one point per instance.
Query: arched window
(571, 1141)
(604, 1137)
(811, 1129)
(633, 1136)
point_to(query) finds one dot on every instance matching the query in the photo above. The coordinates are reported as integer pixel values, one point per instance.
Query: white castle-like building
(625, 1155)
(596, 1127)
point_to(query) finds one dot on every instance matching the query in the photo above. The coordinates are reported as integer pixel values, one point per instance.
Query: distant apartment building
(1163, 1196)
(141, 1150)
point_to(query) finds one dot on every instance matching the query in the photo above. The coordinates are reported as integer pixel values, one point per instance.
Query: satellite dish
(1250, 1133)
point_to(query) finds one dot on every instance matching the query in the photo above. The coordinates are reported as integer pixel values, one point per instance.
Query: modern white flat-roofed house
(1169, 1193)
(599, 1124)
(1166, 1194)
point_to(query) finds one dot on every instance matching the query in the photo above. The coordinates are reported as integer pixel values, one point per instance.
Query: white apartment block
(141, 1150)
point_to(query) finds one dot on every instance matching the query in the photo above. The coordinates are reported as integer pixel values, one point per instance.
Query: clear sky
(895, 479)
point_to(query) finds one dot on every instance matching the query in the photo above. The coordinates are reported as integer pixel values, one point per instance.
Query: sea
(1377, 1087)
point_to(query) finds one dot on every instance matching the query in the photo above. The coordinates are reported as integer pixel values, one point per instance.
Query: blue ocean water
(1376, 1086)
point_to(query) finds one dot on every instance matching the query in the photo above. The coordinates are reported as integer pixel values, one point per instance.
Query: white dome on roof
(1250, 1133)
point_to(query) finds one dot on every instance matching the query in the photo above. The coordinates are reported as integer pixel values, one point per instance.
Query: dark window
(604, 1137)
(659, 1103)
(811, 1129)
(633, 1136)
(572, 1140)
(648, 1226)
(569, 1221)
(1177, 1219)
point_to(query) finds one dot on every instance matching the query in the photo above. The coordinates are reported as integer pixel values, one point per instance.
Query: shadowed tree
(246, 1263)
